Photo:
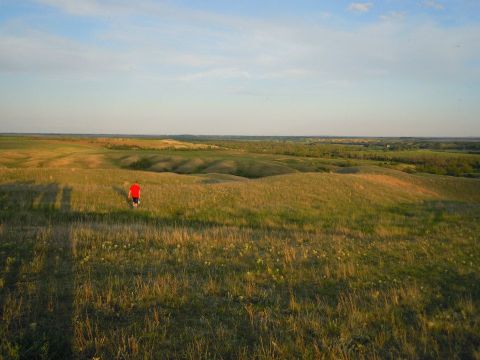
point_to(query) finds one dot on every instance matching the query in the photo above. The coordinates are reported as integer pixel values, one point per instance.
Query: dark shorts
(135, 200)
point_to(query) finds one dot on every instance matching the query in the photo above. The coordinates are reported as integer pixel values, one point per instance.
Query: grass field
(238, 254)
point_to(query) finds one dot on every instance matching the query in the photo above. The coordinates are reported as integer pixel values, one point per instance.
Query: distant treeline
(400, 143)
(425, 159)
(463, 146)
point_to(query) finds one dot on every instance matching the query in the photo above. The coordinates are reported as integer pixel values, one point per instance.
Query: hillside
(360, 262)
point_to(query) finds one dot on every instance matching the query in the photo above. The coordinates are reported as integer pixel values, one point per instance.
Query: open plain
(243, 249)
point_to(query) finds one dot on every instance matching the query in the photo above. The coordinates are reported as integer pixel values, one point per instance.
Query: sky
(244, 67)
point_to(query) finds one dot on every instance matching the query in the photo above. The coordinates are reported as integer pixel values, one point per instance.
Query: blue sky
(378, 68)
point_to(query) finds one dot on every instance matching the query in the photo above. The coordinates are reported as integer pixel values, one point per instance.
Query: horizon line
(237, 135)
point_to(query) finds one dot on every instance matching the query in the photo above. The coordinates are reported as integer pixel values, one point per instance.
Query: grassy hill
(357, 262)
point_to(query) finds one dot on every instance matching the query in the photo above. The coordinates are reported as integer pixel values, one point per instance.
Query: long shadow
(415, 215)
(13, 197)
(45, 328)
(122, 192)
(45, 212)
(55, 296)
(38, 217)
(52, 307)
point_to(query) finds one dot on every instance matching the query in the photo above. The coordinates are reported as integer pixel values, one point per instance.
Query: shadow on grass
(44, 329)
(123, 193)
(47, 331)
(423, 218)
(17, 211)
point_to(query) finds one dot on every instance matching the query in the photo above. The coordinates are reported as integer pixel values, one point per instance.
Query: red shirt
(135, 190)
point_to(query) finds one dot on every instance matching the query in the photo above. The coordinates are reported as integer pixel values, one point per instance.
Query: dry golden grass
(395, 183)
(149, 144)
(304, 265)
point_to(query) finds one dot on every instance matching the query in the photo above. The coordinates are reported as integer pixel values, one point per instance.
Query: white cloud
(88, 7)
(176, 69)
(45, 54)
(433, 4)
(188, 45)
(360, 7)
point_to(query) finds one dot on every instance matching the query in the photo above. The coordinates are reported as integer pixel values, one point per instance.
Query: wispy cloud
(90, 7)
(361, 7)
(175, 68)
(433, 4)
(43, 53)
(200, 45)
(393, 16)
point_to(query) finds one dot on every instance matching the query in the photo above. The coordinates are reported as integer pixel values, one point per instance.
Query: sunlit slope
(369, 263)
(147, 155)
(79, 153)
(151, 155)
(151, 144)
(23, 153)
(306, 200)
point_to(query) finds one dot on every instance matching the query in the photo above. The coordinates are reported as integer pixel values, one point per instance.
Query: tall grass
(365, 265)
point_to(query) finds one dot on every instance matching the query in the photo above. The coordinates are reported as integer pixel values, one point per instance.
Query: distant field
(235, 252)
(145, 144)
(250, 159)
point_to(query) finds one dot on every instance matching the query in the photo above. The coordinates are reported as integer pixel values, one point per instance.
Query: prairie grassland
(158, 156)
(374, 263)
(139, 143)
(50, 153)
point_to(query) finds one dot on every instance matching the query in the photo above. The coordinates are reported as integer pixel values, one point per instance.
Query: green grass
(455, 159)
(251, 159)
(368, 263)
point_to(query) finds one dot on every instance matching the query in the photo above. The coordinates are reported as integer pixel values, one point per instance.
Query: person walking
(134, 194)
